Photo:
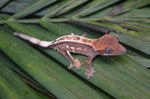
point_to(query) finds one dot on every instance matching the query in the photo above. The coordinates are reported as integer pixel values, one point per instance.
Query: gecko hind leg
(73, 62)
(90, 69)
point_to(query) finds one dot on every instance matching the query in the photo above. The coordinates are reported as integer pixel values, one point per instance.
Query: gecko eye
(108, 50)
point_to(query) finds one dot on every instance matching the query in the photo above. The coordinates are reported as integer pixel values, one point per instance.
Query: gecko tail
(33, 40)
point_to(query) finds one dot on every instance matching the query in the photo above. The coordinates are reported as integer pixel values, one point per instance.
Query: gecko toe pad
(89, 73)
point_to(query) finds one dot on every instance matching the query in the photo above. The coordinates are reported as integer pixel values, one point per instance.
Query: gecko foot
(76, 63)
(89, 73)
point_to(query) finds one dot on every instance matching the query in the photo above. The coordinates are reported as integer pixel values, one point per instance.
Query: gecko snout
(123, 51)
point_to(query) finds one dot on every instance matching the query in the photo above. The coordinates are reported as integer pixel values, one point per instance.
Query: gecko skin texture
(106, 46)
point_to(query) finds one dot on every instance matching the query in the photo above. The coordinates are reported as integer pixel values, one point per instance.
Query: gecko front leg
(73, 62)
(90, 69)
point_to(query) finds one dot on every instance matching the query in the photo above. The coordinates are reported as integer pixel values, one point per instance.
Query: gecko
(106, 45)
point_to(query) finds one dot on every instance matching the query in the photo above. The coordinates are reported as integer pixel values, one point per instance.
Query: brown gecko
(106, 45)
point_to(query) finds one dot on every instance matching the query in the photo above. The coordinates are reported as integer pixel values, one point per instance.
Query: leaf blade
(35, 6)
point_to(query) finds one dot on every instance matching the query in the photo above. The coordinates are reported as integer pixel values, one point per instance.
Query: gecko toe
(70, 66)
(89, 73)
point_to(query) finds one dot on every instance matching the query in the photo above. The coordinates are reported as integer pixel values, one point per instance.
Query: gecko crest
(106, 45)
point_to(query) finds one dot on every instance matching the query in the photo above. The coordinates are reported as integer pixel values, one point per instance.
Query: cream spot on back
(78, 48)
(67, 46)
(85, 49)
(72, 48)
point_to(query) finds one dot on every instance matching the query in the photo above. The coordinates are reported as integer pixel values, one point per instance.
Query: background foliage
(28, 71)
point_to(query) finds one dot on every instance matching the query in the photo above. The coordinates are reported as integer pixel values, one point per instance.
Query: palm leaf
(125, 76)
(10, 83)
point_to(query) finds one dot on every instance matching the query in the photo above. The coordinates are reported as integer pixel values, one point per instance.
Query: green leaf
(145, 62)
(128, 6)
(6, 88)
(14, 6)
(3, 2)
(64, 6)
(137, 13)
(26, 77)
(94, 6)
(14, 81)
(129, 25)
(35, 6)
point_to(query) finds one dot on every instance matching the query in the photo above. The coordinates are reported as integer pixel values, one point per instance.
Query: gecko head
(109, 45)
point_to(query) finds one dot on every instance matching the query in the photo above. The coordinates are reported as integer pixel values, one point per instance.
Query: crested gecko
(106, 45)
